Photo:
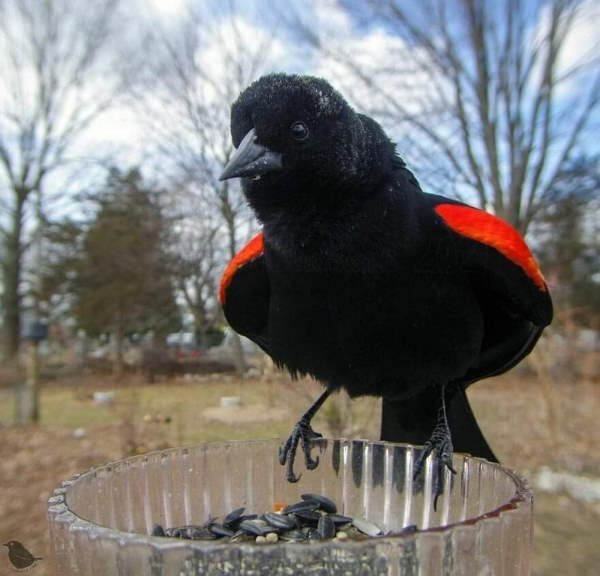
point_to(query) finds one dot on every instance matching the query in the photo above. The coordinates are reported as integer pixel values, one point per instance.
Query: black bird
(364, 281)
(19, 556)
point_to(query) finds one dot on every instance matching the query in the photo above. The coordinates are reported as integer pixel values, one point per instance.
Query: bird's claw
(440, 444)
(302, 432)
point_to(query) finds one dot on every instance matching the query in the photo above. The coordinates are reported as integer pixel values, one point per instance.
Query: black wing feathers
(247, 305)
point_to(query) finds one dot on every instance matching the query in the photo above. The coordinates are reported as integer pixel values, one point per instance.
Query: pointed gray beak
(251, 159)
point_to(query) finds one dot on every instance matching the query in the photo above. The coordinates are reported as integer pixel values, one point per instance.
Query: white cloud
(580, 46)
(385, 68)
(583, 40)
(171, 8)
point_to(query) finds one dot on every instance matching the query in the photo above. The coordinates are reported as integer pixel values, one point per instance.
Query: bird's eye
(299, 131)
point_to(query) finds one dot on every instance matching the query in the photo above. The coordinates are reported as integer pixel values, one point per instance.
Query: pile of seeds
(315, 517)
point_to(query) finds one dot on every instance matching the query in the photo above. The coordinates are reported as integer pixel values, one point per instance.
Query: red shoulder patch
(249, 252)
(494, 232)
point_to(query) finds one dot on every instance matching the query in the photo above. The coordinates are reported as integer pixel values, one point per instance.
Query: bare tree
(196, 71)
(53, 85)
(478, 90)
(197, 263)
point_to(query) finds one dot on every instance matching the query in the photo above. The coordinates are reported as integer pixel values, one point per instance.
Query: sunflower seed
(339, 519)
(366, 527)
(256, 527)
(302, 506)
(312, 518)
(241, 536)
(235, 524)
(308, 517)
(195, 533)
(233, 516)
(326, 527)
(325, 503)
(221, 530)
(294, 536)
(281, 521)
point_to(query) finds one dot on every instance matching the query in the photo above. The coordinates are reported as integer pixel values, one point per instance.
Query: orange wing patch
(249, 252)
(494, 232)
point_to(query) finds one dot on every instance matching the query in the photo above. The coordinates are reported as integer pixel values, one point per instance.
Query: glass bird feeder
(482, 524)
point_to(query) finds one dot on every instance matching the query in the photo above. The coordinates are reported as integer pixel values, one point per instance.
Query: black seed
(280, 521)
(326, 527)
(233, 516)
(339, 519)
(251, 527)
(173, 532)
(235, 524)
(196, 533)
(313, 518)
(221, 530)
(325, 503)
(308, 517)
(240, 536)
(294, 536)
(301, 506)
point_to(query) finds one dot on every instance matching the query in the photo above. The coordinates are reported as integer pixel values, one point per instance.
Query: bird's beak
(251, 159)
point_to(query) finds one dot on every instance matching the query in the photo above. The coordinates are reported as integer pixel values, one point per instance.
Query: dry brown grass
(531, 418)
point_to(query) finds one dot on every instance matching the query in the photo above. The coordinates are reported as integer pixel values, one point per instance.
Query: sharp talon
(448, 464)
(303, 433)
(292, 479)
(435, 500)
(311, 463)
(427, 449)
(283, 453)
(440, 443)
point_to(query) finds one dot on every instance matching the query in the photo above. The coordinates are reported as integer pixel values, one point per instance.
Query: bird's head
(11, 544)
(297, 138)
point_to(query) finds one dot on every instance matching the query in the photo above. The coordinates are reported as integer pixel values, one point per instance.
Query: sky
(371, 45)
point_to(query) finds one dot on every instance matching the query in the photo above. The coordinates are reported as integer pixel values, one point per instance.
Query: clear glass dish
(100, 520)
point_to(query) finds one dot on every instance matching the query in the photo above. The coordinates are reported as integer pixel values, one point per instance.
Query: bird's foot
(440, 444)
(302, 432)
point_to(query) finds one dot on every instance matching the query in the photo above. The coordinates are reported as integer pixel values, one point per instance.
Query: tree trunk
(118, 351)
(12, 269)
(27, 393)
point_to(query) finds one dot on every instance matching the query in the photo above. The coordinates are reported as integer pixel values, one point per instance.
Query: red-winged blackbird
(364, 281)
(19, 556)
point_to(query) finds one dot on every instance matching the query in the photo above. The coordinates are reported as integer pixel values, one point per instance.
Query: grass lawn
(529, 424)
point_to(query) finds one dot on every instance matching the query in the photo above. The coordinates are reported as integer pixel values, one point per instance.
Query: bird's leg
(302, 432)
(440, 443)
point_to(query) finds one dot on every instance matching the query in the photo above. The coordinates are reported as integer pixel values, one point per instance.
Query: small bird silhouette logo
(19, 556)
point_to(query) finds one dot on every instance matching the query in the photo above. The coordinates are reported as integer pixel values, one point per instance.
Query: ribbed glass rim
(60, 512)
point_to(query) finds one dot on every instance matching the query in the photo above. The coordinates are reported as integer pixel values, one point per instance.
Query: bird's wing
(244, 292)
(507, 282)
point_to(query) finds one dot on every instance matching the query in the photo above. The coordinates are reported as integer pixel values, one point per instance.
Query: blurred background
(114, 228)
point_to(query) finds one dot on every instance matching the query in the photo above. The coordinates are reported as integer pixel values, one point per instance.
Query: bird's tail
(412, 420)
